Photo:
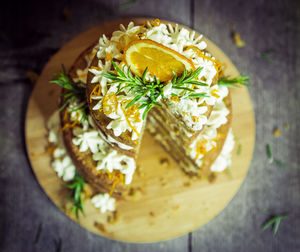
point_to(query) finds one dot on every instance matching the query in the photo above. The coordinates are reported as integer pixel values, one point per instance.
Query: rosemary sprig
(127, 5)
(74, 89)
(272, 159)
(274, 221)
(148, 92)
(239, 149)
(270, 154)
(77, 185)
(234, 82)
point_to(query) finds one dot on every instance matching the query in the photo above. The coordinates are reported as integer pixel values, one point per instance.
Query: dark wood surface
(32, 31)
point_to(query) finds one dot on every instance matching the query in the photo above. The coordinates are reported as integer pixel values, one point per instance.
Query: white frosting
(62, 163)
(106, 157)
(104, 202)
(224, 159)
(113, 160)
(207, 138)
(176, 39)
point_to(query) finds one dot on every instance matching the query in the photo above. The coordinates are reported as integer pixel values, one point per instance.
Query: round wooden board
(167, 203)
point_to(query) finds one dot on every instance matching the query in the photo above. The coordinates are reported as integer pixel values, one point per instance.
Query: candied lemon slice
(160, 60)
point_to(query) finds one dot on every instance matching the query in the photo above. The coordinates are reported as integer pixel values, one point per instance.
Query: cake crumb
(176, 207)
(113, 218)
(287, 126)
(32, 76)
(100, 226)
(135, 193)
(186, 184)
(212, 178)
(152, 214)
(165, 163)
(277, 132)
(163, 181)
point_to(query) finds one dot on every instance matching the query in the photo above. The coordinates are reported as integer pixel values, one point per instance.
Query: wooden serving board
(166, 202)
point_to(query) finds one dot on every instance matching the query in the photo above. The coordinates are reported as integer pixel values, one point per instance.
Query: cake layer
(167, 134)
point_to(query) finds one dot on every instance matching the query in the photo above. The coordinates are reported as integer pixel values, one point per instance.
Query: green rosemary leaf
(274, 221)
(269, 153)
(38, 233)
(134, 100)
(77, 186)
(183, 88)
(144, 74)
(268, 223)
(127, 5)
(173, 94)
(234, 82)
(197, 95)
(198, 83)
(239, 149)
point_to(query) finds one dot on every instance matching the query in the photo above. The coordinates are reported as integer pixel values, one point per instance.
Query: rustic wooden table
(32, 31)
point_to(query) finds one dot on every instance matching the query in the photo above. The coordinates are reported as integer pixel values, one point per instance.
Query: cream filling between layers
(206, 141)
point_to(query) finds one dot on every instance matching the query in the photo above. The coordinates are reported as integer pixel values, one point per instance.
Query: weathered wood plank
(30, 33)
(264, 26)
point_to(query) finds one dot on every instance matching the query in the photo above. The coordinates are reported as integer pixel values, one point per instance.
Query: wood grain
(168, 203)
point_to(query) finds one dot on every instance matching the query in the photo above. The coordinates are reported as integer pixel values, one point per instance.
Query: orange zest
(108, 57)
(69, 125)
(155, 22)
(201, 148)
(110, 103)
(160, 60)
(119, 177)
(216, 63)
(214, 93)
(96, 91)
(130, 125)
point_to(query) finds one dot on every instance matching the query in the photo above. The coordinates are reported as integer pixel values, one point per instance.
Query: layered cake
(156, 77)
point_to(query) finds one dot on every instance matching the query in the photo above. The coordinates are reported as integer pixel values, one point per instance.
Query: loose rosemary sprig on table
(77, 186)
(148, 92)
(74, 89)
(274, 221)
(234, 82)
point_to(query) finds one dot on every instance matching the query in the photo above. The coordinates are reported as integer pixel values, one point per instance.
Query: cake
(156, 77)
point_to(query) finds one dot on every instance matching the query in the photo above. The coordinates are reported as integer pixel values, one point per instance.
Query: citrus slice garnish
(160, 60)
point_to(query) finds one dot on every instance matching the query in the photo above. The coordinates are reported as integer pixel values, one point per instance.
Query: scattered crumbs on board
(100, 226)
(32, 76)
(135, 193)
(186, 184)
(152, 214)
(113, 217)
(277, 132)
(212, 178)
(66, 14)
(164, 162)
(175, 208)
(163, 181)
